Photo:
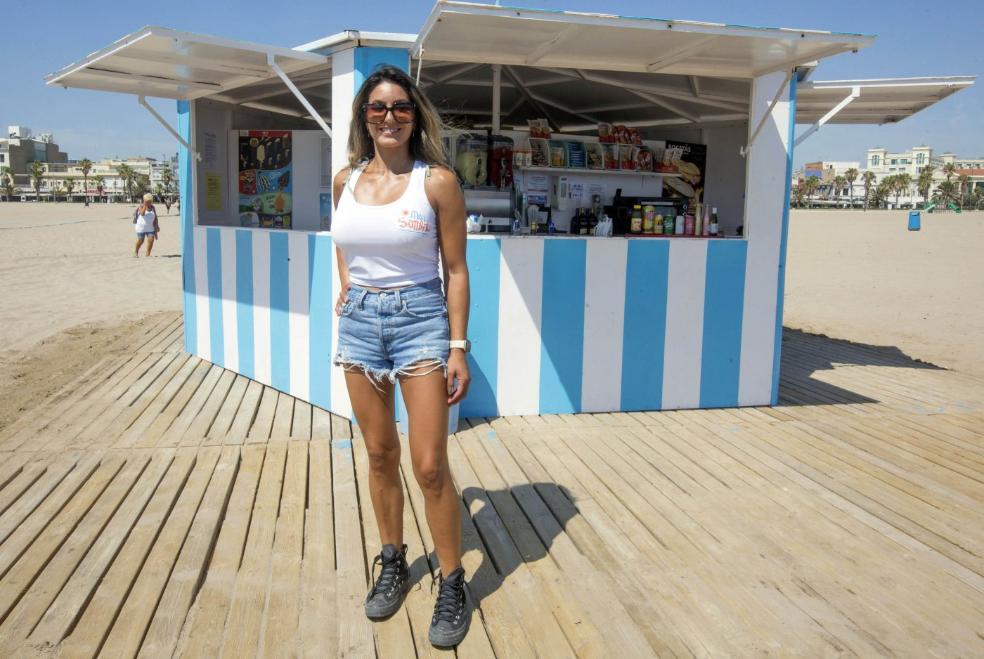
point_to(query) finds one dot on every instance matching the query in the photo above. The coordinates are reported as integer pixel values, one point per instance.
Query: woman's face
(390, 133)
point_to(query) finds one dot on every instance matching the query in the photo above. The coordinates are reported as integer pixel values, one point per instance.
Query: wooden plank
(18, 579)
(103, 432)
(128, 632)
(242, 632)
(320, 424)
(524, 589)
(318, 629)
(283, 417)
(135, 432)
(182, 423)
(580, 605)
(200, 425)
(11, 465)
(100, 612)
(28, 530)
(301, 425)
(355, 637)
(189, 569)
(64, 610)
(201, 635)
(280, 631)
(244, 415)
(263, 421)
(167, 416)
(223, 419)
(44, 475)
(632, 622)
(17, 486)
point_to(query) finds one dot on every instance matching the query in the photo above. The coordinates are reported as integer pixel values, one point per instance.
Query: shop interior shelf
(591, 172)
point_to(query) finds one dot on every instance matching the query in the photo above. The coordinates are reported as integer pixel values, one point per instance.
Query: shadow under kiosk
(559, 323)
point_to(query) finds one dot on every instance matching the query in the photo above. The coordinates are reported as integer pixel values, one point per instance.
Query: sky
(914, 38)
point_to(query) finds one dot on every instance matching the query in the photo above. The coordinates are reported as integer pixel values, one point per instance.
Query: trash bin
(913, 220)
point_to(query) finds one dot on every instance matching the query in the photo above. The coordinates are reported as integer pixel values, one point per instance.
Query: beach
(72, 292)
(862, 276)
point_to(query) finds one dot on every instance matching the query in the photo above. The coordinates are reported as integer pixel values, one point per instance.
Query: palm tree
(69, 187)
(798, 196)
(810, 185)
(840, 183)
(925, 182)
(851, 176)
(37, 176)
(868, 178)
(100, 182)
(7, 182)
(903, 185)
(86, 166)
(126, 175)
(167, 183)
(949, 169)
(964, 182)
(946, 192)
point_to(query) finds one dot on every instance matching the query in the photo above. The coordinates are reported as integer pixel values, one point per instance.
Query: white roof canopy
(165, 63)
(880, 101)
(465, 32)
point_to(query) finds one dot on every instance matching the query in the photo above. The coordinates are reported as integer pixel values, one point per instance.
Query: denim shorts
(145, 234)
(383, 333)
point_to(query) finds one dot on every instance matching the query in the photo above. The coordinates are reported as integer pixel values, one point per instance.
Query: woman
(397, 207)
(145, 224)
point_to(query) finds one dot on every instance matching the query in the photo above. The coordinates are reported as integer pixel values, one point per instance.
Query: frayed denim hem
(424, 365)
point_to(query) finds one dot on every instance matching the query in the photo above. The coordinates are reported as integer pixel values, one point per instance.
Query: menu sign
(264, 178)
(689, 163)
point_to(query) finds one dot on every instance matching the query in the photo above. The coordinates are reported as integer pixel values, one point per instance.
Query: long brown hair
(425, 141)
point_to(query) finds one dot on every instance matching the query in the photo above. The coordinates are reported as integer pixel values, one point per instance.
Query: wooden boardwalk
(162, 506)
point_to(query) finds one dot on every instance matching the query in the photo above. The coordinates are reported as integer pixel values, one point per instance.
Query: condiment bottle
(668, 225)
(648, 216)
(658, 225)
(678, 229)
(688, 225)
(714, 222)
(707, 221)
(635, 224)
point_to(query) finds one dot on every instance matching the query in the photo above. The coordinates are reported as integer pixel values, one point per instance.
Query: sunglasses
(403, 112)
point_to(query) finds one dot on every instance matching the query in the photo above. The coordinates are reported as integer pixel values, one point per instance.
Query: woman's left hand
(457, 369)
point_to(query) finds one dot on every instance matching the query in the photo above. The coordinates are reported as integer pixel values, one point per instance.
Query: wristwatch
(464, 344)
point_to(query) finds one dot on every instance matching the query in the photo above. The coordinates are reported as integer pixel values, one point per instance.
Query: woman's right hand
(340, 302)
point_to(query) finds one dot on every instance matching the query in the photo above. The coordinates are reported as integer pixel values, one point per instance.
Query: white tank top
(392, 244)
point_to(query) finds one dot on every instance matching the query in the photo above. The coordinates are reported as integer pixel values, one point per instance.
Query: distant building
(883, 164)
(20, 148)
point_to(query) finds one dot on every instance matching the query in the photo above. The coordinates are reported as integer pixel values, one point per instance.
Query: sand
(864, 277)
(72, 292)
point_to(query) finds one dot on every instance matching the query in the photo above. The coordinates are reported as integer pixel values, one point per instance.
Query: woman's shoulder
(440, 176)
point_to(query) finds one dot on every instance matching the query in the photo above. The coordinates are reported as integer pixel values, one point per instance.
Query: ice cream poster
(265, 178)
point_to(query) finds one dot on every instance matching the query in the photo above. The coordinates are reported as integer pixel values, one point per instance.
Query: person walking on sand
(398, 208)
(145, 224)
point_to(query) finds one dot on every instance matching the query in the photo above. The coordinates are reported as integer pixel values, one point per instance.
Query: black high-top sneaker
(391, 586)
(452, 613)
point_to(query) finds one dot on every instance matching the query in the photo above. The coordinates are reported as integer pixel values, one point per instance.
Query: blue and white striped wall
(557, 325)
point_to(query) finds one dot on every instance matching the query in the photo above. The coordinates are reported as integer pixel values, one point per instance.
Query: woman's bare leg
(150, 244)
(374, 411)
(136, 251)
(426, 398)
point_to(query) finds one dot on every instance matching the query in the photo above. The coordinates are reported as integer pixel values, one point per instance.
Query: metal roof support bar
(855, 92)
(143, 101)
(768, 113)
(496, 97)
(272, 61)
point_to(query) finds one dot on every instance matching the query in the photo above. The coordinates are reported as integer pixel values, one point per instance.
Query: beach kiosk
(562, 322)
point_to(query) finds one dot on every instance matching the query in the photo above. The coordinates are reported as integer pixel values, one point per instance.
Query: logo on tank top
(411, 220)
